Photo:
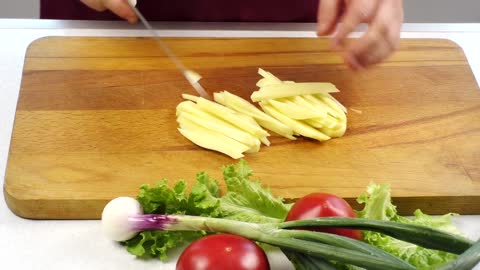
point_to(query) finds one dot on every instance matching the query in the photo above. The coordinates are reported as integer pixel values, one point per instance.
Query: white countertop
(29, 244)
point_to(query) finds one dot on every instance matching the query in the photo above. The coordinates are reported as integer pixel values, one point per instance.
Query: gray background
(416, 11)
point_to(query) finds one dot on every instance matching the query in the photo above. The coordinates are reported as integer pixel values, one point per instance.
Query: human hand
(120, 7)
(341, 17)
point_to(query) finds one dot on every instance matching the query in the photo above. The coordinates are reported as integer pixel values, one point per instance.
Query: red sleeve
(193, 10)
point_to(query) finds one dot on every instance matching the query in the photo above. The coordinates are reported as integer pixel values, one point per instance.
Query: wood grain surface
(96, 119)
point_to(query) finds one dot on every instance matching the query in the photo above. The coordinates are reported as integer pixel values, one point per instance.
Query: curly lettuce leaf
(244, 200)
(378, 205)
(155, 244)
(162, 199)
(204, 198)
(247, 200)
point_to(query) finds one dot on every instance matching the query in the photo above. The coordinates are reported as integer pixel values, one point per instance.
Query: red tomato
(323, 205)
(223, 251)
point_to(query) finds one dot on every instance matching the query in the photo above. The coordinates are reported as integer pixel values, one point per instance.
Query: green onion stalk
(299, 241)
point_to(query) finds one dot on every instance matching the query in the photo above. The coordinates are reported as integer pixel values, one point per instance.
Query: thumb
(122, 9)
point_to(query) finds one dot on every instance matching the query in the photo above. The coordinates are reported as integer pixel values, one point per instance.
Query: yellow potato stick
(344, 109)
(251, 121)
(234, 126)
(223, 128)
(267, 81)
(294, 111)
(266, 121)
(320, 103)
(329, 101)
(276, 91)
(329, 122)
(315, 122)
(240, 105)
(219, 97)
(336, 132)
(300, 101)
(211, 140)
(192, 108)
(232, 117)
(298, 126)
(190, 97)
(265, 141)
(214, 141)
(254, 148)
(268, 75)
(278, 127)
(183, 106)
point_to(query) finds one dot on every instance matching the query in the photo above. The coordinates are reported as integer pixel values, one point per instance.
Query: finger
(370, 48)
(356, 12)
(352, 62)
(381, 39)
(122, 9)
(388, 22)
(328, 13)
(94, 4)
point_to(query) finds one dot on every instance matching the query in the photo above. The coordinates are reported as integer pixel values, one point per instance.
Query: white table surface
(42, 244)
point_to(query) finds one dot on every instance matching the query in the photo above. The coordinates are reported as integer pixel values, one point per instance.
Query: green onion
(333, 253)
(265, 233)
(467, 260)
(305, 262)
(339, 241)
(416, 234)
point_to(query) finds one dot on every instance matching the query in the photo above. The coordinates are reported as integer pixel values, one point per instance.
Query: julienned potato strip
(288, 109)
(242, 106)
(214, 141)
(294, 111)
(274, 91)
(298, 126)
(222, 128)
(231, 116)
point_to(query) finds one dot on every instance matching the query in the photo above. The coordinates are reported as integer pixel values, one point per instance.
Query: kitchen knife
(191, 76)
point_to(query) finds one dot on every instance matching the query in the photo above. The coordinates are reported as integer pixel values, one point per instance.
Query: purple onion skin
(151, 222)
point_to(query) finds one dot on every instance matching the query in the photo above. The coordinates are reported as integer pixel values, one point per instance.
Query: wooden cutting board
(96, 119)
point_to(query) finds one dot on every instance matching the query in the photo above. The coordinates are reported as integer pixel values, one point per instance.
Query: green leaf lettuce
(378, 205)
(244, 200)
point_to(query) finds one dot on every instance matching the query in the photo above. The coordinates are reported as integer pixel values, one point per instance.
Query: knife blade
(191, 76)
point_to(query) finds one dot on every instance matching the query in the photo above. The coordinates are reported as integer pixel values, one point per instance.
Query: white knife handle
(132, 2)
